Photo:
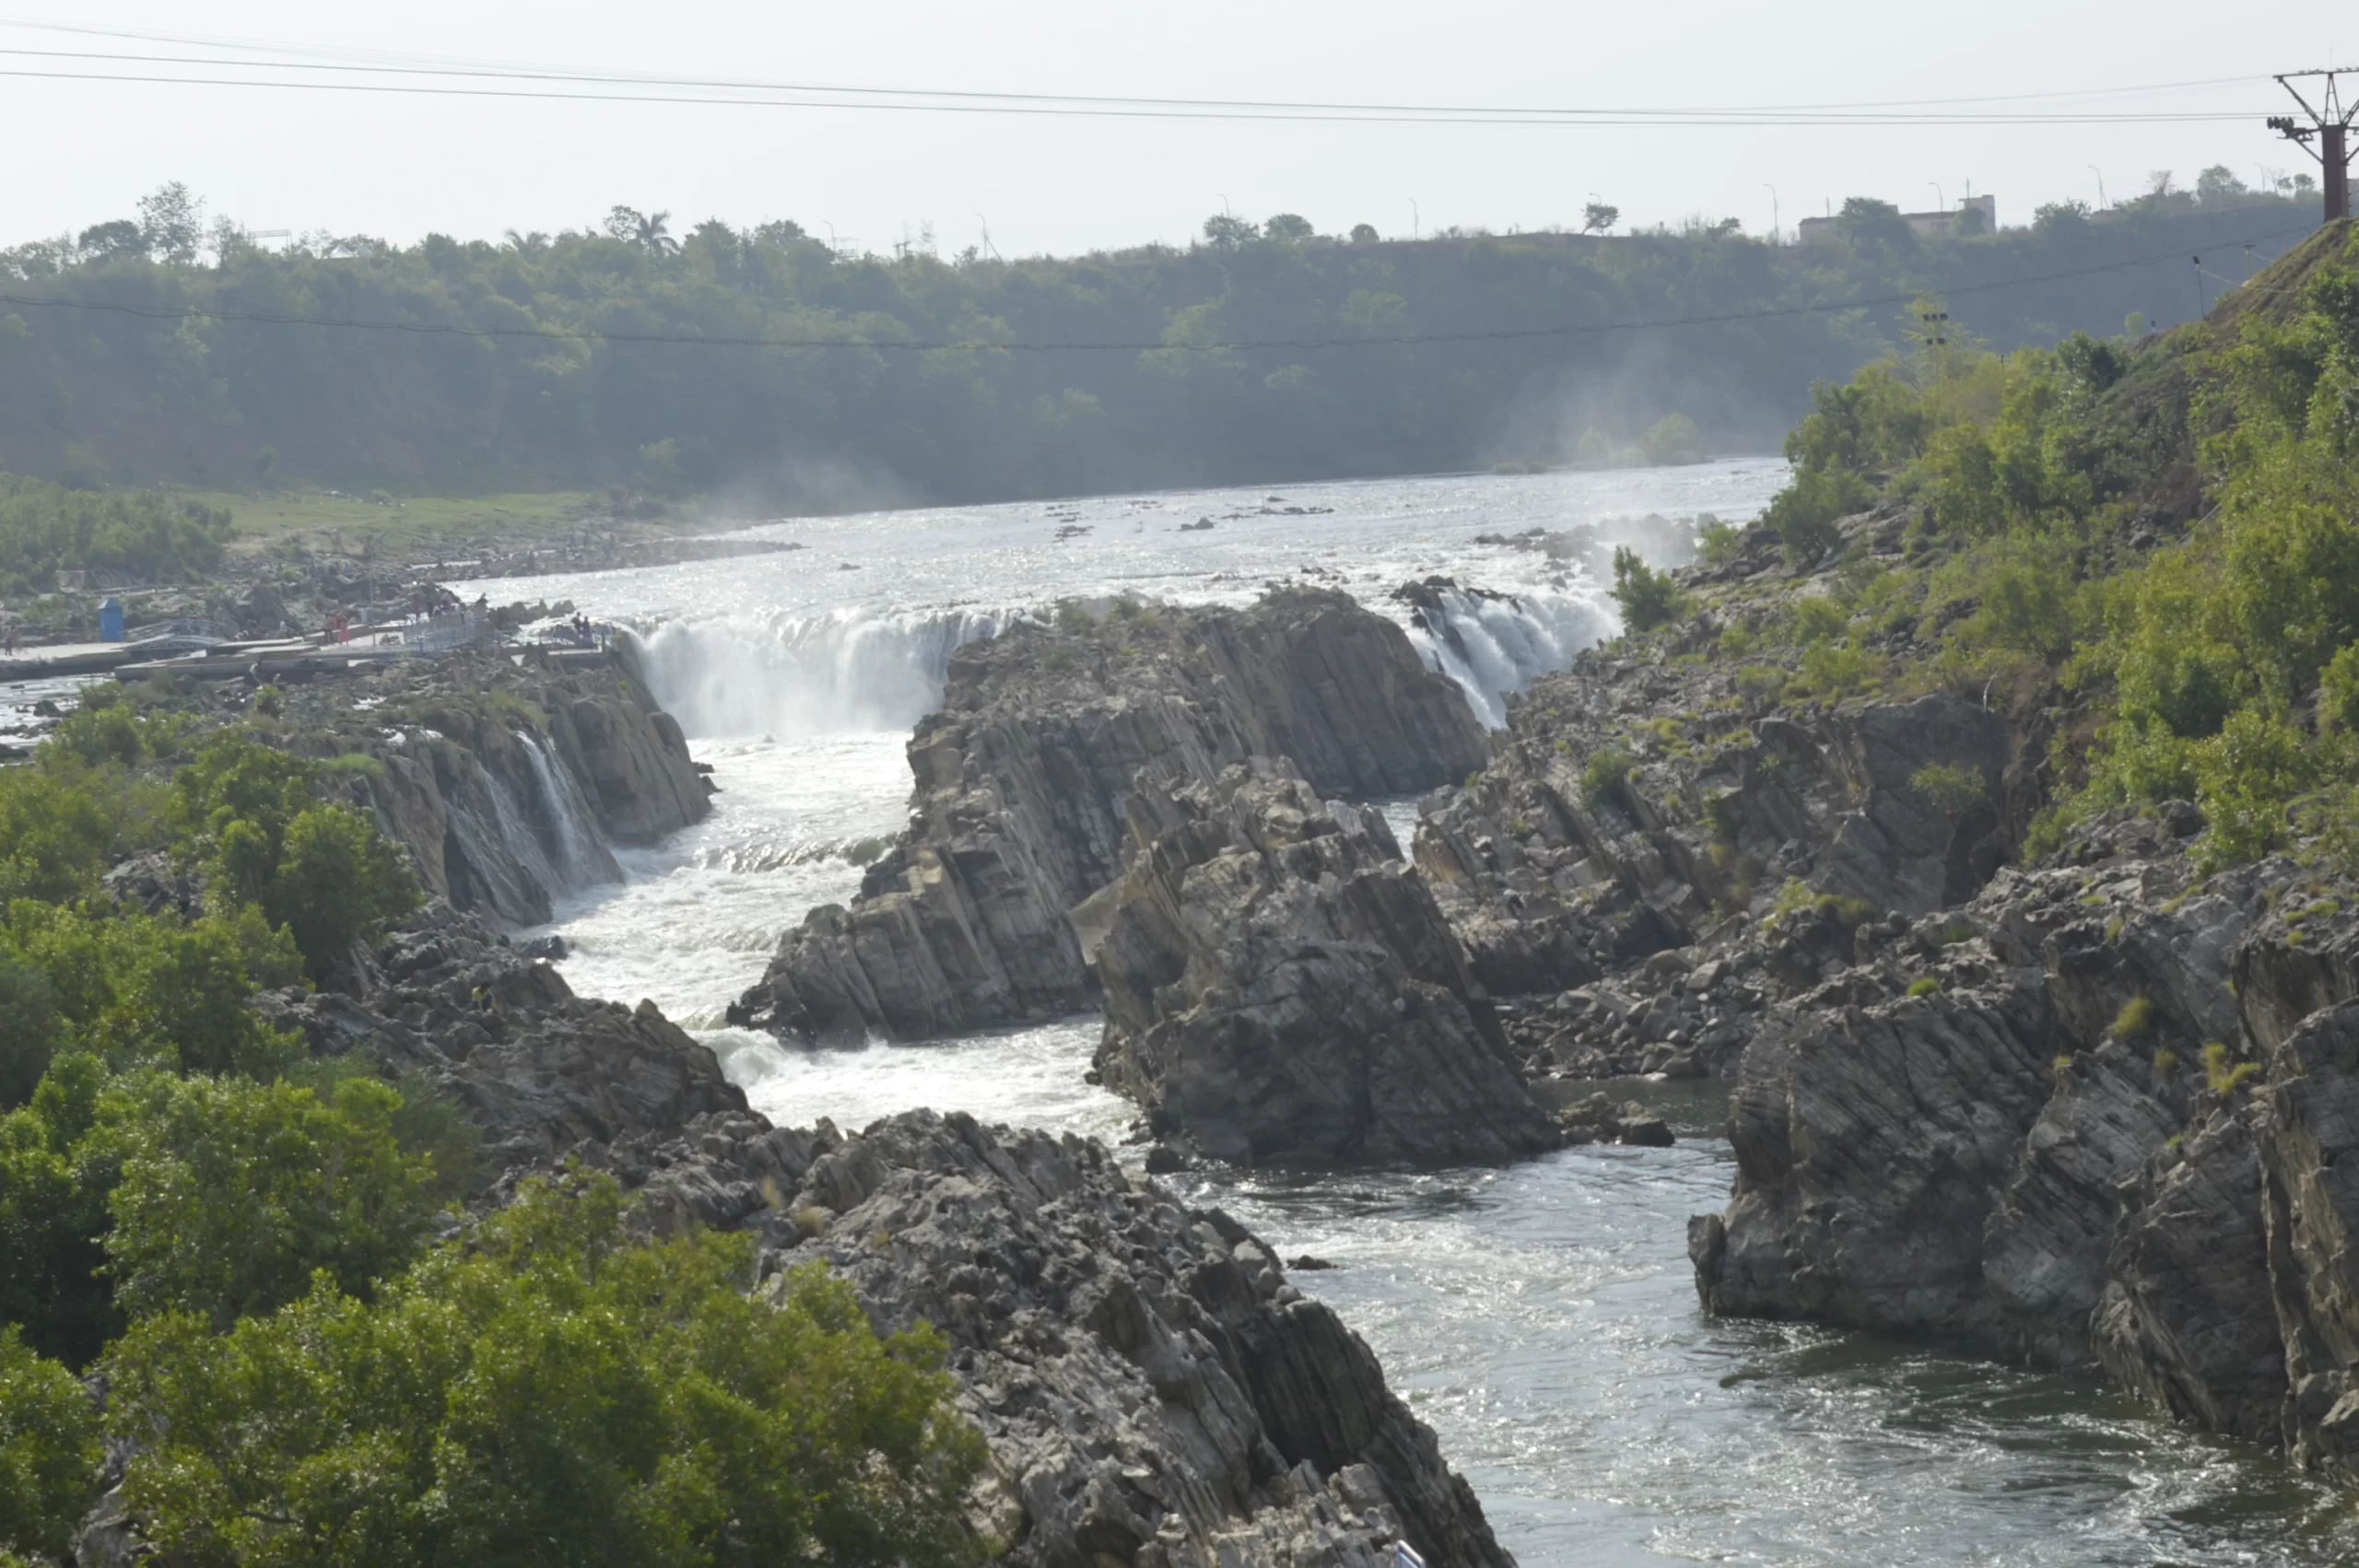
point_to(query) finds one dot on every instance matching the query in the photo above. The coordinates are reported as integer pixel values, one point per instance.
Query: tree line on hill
(759, 361)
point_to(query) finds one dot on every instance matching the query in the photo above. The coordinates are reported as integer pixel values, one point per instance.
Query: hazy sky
(82, 152)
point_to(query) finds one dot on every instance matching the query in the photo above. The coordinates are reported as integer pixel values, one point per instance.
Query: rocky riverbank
(1017, 813)
(2087, 1111)
(1151, 1386)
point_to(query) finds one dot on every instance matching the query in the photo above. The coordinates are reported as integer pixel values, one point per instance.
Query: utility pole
(1777, 235)
(2331, 123)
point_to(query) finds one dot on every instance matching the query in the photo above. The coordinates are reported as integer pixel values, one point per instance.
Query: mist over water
(1541, 1317)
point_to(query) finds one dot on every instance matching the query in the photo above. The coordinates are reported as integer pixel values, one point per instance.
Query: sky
(399, 167)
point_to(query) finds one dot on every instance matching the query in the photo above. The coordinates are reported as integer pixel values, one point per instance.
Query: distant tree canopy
(668, 356)
(136, 534)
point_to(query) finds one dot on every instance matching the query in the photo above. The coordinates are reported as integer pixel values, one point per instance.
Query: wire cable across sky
(326, 70)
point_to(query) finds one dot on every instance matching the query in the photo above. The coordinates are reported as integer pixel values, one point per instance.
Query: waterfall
(850, 670)
(578, 857)
(516, 836)
(1495, 644)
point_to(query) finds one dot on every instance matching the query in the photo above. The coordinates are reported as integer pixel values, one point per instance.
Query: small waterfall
(1495, 644)
(850, 671)
(578, 857)
(516, 836)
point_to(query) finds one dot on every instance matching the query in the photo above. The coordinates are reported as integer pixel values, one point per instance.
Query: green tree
(1868, 222)
(172, 223)
(1225, 233)
(543, 1392)
(1672, 438)
(1599, 217)
(49, 1453)
(338, 880)
(1291, 228)
(233, 1193)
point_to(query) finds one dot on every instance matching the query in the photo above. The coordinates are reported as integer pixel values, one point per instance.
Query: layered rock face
(1281, 990)
(2307, 1130)
(2082, 1143)
(542, 1072)
(1604, 834)
(509, 783)
(1948, 1160)
(1153, 1389)
(1016, 817)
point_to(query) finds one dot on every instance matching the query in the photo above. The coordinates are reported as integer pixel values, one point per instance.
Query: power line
(380, 56)
(427, 329)
(1565, 118)
(1844, 113)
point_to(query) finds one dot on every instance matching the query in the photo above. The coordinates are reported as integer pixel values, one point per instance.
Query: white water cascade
(1493, 644)
(836, 672)
(579, 856)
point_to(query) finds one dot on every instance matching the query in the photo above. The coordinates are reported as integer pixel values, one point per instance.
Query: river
(1541, 1317)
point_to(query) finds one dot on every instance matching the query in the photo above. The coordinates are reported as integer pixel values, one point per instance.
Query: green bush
(2135, 1019)
(49, 1453)
(60, 827)
(1716, 542)
(137, 988)
(1805, 513)
(1647, 598)
(46, 528)
(1603, 776)
(52, 1211)
(2222, 1075)
(248, 813)
(541, 1392)
(1924, 984)
(1948, 787)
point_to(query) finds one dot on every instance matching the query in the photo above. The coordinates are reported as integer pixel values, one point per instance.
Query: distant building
(1924, 224)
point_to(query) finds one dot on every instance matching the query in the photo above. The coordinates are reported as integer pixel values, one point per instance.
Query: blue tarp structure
(110, 620)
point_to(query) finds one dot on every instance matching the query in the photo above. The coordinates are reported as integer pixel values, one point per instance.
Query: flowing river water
(1541, 1317)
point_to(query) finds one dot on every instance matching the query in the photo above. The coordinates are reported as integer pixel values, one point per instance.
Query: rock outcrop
(1153, 1388)
(1935, 1140)
(540, 1070)
(1280, 988)
(2116, 1126)
(1016, 818)
(1606, 832)
(510, 782)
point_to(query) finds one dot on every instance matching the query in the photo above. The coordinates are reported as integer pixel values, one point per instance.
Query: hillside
(1522, 349)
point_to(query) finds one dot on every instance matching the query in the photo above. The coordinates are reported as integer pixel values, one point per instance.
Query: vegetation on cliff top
(2154, 540)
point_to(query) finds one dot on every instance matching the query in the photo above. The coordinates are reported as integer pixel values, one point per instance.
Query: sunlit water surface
(1541, 1317)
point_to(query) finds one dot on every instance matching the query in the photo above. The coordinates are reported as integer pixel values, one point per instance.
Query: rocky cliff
(1281, 990)
(2088, 1112)
(1016, 816)
(510, 782)
(1637, 815)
